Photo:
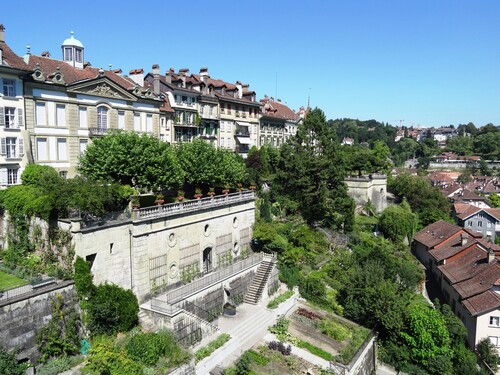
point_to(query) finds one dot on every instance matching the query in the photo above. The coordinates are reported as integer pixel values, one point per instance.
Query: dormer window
(68, 53)
(79, 55)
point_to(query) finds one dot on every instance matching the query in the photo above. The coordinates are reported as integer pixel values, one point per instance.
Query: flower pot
(180, 198)
(159, 202)
(198, 196)
(225, 191)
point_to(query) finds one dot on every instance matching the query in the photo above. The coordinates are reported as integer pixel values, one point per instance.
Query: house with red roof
(277, 122)
(482, 220)
(465, 268)
(13, 157)
(68, 103)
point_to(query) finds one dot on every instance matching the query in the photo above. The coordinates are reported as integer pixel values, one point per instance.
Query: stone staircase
(259, 281)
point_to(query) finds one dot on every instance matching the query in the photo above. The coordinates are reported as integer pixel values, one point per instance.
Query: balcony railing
(98, 132)
(172, 209)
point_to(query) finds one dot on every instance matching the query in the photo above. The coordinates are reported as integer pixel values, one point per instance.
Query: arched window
(102, 118)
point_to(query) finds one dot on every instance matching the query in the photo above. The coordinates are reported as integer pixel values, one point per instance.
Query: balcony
(98, 132)
(242, 131)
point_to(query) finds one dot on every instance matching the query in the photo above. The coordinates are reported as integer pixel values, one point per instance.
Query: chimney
(168, 77)
(156, 78)
(137, 75)
(2, 33)
(45, 54)
(464, 238)
(204, 72)
(239, 87)
(491, 255)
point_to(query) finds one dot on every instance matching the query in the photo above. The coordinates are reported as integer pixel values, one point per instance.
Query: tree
(132, 159)
(461, 145)
(311, 173)
(9, 365)
(398, 223)
(487, 353)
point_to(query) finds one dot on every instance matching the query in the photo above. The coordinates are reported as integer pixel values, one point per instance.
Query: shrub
(206, 351)
(9, 365)
(334, 330)
(257, 357)
(281, 298)
(112, 309)
(280, 347)
(57, 365)
(148, 348)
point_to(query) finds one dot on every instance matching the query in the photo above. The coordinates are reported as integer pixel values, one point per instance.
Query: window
(469, 223)
(222, 109)
(83, 145)
(41, 149)
(211, 110)
(480, 224)
(41, 114)
(121, 120)
(137, 122)
(63, 174)
(79, 55)
(102, 118)
(222, 141)
(60, 115)
(12, 147)
(12, 176)
(229, 108)
(494, 321)
(202, 109)
(68, 54)
(495, 340)
(488, 225)
(149, 123)
(8, 117)
(9, 88)
(82, 117)
(62, 149)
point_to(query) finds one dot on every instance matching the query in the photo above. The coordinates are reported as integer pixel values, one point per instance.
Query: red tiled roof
(466, 210)
(480, 282)
(470, 263)
(166, 107)
(73, 75)
(495, 212)
(279, 110)
(483, 302)
(436, 233)
(10, 59)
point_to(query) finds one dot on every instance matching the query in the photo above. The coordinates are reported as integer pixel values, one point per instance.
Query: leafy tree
(461, 145)
(200, 161)
(398, 223)
(426, 336)
(132, 159)
(83, 278)
(487, 144)
(494, 200)
(311, 173)
(487, 353)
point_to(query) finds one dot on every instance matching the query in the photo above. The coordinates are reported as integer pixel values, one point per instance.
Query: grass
(207, 350)
(8, 281)
(274, 303)
(348, 352)
(315, 350)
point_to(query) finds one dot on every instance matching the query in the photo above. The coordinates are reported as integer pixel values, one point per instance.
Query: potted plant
(211, 192)
(134, 202)
(197, 193)
(239, 188)
(180, 195)
(160, 199)
(252, 186)
(226, 189)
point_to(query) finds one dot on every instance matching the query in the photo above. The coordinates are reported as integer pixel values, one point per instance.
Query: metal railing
(25, 289)
(178, 294)
(194, 205)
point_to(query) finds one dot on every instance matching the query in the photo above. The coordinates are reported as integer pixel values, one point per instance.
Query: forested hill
(364, 131)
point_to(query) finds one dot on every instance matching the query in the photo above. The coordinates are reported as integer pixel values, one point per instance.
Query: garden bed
(8, 281)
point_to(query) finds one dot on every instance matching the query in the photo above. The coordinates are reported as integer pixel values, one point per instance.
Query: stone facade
(21, 318)
(372, 187)
(164, 246)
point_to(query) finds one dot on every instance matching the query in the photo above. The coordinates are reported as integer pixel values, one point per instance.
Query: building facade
(13, 157)
(277, 122)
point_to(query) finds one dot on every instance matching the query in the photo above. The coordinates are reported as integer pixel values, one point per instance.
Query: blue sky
(427, 62)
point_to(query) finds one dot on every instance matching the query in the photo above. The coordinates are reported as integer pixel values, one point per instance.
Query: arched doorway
(207, 260)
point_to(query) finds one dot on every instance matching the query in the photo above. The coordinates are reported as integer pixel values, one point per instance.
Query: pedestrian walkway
(247, 327)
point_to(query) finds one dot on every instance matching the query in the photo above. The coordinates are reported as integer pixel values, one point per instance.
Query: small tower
(72, 50)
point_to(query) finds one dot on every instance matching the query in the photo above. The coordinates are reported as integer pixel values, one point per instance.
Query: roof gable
(102, 87)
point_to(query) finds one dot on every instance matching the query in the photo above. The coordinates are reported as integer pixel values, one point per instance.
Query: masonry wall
(23, 317)
(364, 188)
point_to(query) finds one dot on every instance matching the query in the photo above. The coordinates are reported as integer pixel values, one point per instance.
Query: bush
(57, 365)
(281, 298)
(206, 351)
(9, 365)
(280, 347)
(334, 330)
(112, 309)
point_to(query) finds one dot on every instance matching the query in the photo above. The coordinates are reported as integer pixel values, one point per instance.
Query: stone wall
(372, 187)
(22, 317)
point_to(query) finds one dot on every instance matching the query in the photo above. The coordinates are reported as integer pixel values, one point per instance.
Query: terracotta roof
(73, 75)
(466, 210)
(495, 212)
(482, 281)
(436, 233)
(470, 262)
(483, 302)
(470, 196)
(450, 190)
(166, 107)
(279, 110)
(10, 59)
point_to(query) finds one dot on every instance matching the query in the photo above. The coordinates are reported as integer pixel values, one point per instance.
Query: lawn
(8, 281)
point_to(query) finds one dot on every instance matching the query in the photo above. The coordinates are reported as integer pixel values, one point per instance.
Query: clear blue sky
(428, 62)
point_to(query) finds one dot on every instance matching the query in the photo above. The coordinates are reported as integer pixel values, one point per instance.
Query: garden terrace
(180, 208)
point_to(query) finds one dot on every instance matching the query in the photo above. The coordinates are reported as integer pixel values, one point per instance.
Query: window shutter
(2, 117)
(20, 143)
(19, 117)
(3, 147)
(3, 176)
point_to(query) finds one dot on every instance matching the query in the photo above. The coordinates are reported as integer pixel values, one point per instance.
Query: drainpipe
(130, 258)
